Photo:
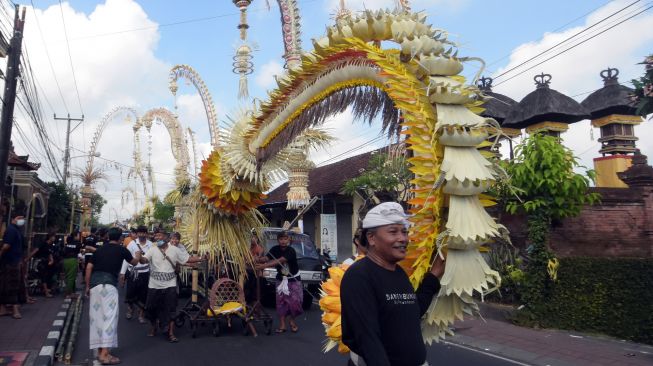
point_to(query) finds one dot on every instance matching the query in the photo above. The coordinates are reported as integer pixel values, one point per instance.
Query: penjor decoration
(243, 64)
(418, 92)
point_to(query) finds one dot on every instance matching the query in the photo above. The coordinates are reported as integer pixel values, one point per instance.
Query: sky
(122, 51)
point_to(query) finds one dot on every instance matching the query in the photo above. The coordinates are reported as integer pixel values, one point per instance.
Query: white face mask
(20, 222)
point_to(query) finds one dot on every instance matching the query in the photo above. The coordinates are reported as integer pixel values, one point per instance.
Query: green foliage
(544, 171)
(384, 179)
(163, 212)
(606, 295)
(97, 202)
(535, 287)
(504, 259)
(643, 95)
(59, 205)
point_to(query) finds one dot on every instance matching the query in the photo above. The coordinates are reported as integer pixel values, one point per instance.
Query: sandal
(112, 360)
(294, 329)
(279, 331)
(172, 339)
(16, 316)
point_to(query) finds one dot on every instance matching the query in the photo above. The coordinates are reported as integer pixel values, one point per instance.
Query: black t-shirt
(90, 241)
(44, 251)
(71, 249)
(108, 258)
(291, 261)
(381, 314)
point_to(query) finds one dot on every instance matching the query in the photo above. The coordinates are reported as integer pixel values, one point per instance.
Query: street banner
(329, 234)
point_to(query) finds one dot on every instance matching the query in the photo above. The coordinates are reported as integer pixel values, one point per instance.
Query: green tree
(543, 171)
(59, 206)
(385, 179)
(163, 212)
(97, 202)
(643, 95)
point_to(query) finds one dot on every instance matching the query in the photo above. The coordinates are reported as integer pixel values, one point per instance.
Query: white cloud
(577, 71)
(265, 76)
(110, 72)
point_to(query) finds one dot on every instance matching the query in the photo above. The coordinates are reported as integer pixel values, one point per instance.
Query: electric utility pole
(66, 157)
(11, 79)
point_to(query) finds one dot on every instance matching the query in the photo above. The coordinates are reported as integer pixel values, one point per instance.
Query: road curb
(46, 354)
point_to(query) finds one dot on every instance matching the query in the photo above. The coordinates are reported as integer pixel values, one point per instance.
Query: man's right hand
(121, 280)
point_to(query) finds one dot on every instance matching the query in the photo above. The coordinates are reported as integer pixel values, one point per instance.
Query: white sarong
(103, 316)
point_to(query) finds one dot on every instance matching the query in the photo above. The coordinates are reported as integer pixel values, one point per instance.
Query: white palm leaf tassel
(243, 66)
(467, 174)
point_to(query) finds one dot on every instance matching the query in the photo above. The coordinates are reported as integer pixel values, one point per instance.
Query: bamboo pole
(77, 316)
(196, 248)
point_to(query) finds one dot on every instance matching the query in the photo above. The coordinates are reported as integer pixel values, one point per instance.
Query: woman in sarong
(289, 290)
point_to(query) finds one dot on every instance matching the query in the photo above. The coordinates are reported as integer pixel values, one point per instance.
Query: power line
(566, 39)
(47, 53)
(574, 46)
(70, 57)
(181, 22)
(557, 29)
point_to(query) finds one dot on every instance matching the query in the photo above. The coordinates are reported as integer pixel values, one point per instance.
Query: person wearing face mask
(380, 310)
(162, 286)
(12, 286)
(138, 276)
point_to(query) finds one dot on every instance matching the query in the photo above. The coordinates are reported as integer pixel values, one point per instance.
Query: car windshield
(302, 243)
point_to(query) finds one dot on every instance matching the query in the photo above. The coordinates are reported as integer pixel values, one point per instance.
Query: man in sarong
(162, 289)
(290, 293)
(137, 276)
(12, 284)
(101, 281)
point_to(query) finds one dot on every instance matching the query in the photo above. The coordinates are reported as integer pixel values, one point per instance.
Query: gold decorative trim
(616, 118)
(547, 126)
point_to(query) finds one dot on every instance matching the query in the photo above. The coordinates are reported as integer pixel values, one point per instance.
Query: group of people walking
(149, 270)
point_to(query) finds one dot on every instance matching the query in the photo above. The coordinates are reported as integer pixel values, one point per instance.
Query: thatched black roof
(497, 106)
(613, 98)
(545, 104)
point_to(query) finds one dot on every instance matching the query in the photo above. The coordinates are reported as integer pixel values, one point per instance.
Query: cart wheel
(268, 327)
(180, 320)
(216, 328)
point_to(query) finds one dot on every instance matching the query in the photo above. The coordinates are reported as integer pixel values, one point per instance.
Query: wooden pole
(196, 248)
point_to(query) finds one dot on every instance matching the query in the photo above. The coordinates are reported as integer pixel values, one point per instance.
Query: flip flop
(279, 331)
(294, 329)
(16, 316)
(173, 339)
(113, 360)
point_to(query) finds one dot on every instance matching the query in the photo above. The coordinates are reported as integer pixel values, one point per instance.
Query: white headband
(386, 213)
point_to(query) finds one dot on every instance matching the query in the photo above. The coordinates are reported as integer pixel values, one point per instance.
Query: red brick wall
(620, 226)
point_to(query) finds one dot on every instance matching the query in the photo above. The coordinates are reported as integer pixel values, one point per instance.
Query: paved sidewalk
(546, 346)
(28, 334)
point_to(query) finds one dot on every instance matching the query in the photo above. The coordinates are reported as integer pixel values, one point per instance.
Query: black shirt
(381, 314)
(44, 251)
(90, 241)
(15, 239)
(108, 258)
(291, 261)
(71, 249)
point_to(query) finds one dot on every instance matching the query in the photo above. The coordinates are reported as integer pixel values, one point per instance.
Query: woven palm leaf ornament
(439, 117)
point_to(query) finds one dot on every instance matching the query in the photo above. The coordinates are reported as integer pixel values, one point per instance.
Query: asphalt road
(232, 348)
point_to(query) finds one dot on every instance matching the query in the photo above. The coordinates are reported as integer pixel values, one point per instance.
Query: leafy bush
(605, 295)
